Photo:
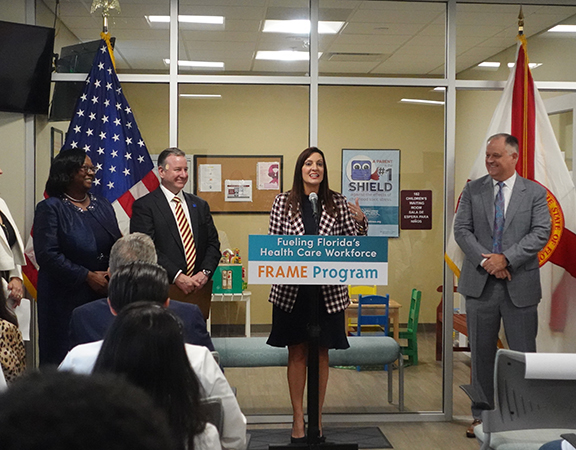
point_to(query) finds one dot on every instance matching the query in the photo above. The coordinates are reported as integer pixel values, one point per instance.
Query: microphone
(313, 197)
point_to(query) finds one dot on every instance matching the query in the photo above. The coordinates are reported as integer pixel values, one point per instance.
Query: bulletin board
(233, 184)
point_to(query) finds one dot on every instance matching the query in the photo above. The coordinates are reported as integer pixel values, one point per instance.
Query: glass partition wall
(253, 78)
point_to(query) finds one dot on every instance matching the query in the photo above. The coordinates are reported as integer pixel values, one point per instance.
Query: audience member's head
(130, 248)
(145, 343)
(65, 411)
(138, 281)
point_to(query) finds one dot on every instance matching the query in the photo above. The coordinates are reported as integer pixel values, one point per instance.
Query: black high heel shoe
(300, 440)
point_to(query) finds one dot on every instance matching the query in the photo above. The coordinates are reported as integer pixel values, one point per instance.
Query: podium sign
(313, 259)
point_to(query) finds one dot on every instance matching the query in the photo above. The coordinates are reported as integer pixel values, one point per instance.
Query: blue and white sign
(283, 259)
(373, 177)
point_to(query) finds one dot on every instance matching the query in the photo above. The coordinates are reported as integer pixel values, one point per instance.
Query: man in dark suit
(90, 321)
(501, 224)
(181, 226)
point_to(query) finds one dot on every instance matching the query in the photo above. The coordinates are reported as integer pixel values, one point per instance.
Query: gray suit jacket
(526, 231)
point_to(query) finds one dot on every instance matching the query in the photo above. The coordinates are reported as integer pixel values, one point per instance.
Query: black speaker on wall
(73, 59)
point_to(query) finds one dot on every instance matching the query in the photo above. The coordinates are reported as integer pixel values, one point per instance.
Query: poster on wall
(373, 177)
(268, 175)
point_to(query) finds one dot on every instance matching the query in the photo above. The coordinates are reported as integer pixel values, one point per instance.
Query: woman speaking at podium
(310, 207)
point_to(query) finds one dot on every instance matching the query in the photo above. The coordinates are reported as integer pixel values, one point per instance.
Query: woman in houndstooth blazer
(292, 215)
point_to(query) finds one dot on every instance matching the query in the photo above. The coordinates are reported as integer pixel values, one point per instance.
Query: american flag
(104, 126)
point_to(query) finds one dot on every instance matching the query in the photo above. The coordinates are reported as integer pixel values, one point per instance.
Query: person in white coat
(11, 255)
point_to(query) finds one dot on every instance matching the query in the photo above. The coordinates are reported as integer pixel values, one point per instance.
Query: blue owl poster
(373, 177)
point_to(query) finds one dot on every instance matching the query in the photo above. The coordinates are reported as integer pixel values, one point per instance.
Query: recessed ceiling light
(490, 64)
(439, 88)
(531, 65)
(201, 95)
(301, 26)
(563, 29)
(284, 55)
(421, 102)
(213, 20)
(198, 64)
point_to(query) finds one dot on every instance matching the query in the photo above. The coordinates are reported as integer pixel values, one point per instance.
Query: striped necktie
(187, 236)
(498, 219)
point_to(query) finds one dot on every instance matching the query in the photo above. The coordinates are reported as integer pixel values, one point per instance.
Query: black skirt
(291, 328)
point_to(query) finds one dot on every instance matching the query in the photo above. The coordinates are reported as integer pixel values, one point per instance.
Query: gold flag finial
(520, 22)
(107, 6)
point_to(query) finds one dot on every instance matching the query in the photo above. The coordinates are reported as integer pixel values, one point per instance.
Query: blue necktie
(498, 219)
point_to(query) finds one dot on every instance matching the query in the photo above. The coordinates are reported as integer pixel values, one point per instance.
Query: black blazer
(153, 216)
(91, 321)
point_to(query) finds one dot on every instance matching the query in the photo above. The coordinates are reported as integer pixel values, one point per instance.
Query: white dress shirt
(506, 190)
(81, 359)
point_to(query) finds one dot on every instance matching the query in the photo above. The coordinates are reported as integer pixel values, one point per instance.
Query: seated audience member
(90, 322)
(145, 344)
(12, 350)
(128, 283)
(43, 411)
(560, 444)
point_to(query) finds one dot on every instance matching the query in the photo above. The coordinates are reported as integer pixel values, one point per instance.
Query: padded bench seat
(364, 350)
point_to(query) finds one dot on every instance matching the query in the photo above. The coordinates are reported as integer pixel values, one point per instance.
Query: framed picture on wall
(56, 141)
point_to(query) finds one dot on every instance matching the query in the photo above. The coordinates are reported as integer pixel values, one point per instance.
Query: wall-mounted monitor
(25, 67)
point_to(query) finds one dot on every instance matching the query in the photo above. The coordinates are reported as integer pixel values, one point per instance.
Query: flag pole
(107, 6)
(520, 22)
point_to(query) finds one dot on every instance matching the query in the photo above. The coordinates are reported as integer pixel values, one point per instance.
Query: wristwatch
(207, 272)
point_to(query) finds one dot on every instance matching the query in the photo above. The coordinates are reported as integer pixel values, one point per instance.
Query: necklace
(75, 199)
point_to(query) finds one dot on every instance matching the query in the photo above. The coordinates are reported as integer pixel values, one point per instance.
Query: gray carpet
(365, 437)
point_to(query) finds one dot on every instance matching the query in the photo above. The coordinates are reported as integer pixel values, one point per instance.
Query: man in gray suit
(501, 224)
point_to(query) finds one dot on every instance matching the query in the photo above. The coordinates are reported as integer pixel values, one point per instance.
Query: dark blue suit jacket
(90, 322)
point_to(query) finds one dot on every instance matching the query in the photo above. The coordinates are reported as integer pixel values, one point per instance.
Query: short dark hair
(130, 248)
(509, 141)
(64, 166)
(138, 281)
(166, 153)
(145, 343)
(66, 411)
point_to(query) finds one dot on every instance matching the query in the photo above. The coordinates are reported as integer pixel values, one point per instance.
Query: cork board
(234, 184)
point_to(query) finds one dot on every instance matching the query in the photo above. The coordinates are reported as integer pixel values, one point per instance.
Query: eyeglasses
(86, 168)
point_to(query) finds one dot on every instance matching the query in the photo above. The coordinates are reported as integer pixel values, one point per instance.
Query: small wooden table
(244, 296)
(393, 314)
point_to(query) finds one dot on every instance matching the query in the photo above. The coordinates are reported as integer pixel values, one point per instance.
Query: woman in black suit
(292, 215)
(74, 231)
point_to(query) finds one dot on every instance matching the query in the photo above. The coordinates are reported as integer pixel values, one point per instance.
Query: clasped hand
(16, 290)
(98, 281)
(496, 264)
(189, 284)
